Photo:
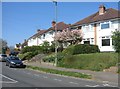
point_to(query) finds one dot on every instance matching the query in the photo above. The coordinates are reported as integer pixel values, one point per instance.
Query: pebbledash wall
(100, 35)
(97, 29)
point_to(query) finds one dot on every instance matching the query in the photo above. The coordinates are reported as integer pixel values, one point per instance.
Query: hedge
(81, 49)
(37, 49)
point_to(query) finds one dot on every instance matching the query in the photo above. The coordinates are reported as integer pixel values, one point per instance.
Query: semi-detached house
(98, 27)
(46, 35)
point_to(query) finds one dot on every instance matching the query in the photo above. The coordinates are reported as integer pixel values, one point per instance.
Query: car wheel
(6, 64)
(10, 66)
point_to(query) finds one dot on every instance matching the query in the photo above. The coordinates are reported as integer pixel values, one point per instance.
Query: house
(46, 35)
(98, 27)
(24, 44)
(35, 40)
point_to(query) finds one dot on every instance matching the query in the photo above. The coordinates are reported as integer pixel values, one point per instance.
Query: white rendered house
(46, 35)
(97, 28)
(35, 40)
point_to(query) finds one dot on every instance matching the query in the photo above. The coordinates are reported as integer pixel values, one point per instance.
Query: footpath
(98, 76)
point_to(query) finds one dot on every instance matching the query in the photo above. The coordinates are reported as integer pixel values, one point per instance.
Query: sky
(20, 20)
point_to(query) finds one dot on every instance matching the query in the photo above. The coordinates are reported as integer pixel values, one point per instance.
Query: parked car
(3, 57)
(13, 61)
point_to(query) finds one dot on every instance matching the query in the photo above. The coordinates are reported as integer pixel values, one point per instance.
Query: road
(17, 77)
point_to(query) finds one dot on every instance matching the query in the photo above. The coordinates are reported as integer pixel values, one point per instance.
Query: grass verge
(66, 73)
(93, 61)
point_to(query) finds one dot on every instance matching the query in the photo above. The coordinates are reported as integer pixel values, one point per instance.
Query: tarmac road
(17, 77)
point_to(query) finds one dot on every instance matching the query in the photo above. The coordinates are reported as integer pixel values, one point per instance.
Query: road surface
(17, 77)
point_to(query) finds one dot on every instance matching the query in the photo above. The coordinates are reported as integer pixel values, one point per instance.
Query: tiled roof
(38, 34)
(109, 14)
(60, 26)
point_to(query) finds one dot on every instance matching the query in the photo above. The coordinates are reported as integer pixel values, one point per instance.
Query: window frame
(105, 44)
(105, 27)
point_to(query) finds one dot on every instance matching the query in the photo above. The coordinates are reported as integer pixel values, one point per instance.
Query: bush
(68, 50)
(36, 49)
(81, 49)
(27, 56)
(84, 48)
(116, 40)
(51, 57)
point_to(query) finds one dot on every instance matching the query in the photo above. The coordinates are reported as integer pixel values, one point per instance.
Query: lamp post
(55, 2)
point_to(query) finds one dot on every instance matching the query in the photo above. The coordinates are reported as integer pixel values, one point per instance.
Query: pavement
(97, 76)
(12, 78)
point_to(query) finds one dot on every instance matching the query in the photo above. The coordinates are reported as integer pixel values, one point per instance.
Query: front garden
(78, 56)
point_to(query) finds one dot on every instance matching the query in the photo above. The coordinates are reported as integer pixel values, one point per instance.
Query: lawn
(93, 61)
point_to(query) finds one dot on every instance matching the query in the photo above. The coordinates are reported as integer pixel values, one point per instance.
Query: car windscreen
(14, 58)
(4, 55)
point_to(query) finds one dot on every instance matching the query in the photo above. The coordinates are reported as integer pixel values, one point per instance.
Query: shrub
(27, 56)
(68, 50)
(37, 49)
(116, 40)
(51, 57)
(84, 48)
(81, 49)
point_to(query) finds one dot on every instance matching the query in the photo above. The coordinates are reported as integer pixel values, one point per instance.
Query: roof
(109, 14)
(60, 26)
(38, 34)
(24, 43)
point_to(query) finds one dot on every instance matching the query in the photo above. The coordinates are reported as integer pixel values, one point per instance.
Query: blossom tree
(72, 37)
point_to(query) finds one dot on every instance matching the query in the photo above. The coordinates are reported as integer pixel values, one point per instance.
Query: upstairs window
(43, 36)
(51, 32)
(105, 26)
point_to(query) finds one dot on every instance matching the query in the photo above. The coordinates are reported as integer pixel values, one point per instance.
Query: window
(79, 27)
(105, 42)
(86, 42)
(104, 26)
(92, 40)
(51, 32)
(43, 36)
(87, 27)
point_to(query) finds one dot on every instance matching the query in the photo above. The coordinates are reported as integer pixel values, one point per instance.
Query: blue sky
(20, 20)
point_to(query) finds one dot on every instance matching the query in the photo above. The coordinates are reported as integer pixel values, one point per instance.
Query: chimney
(38, 30)
(25, 40)
(102, 9)
(53, 23)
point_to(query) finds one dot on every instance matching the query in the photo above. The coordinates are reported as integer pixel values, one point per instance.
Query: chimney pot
(38, 30)
(102, 9)
(53, 23)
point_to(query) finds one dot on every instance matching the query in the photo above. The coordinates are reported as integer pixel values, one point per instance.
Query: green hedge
(81, 49)
(37, 49)
(93, 61)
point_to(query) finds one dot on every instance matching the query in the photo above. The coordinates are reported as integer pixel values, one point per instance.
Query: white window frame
(105, 23)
